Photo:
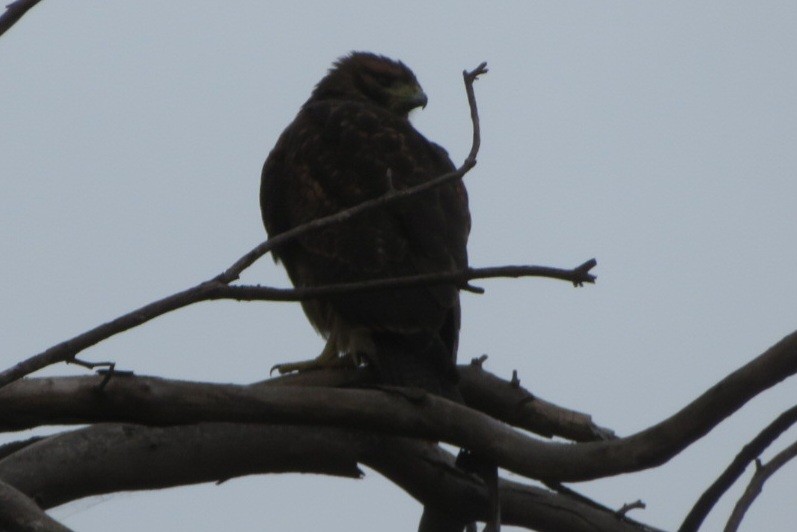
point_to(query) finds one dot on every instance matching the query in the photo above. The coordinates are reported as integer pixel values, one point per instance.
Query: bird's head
(364, 76)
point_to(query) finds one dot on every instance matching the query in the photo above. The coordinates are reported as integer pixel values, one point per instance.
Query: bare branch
(157, 402)
(482, 391)
(14, 12)
(576, 275)
(518, 407)
(750, 452)
(757, 485)
(201, 292)
(638, 504)
(20, 513)
(14, 446)
(213, 290)
(90, 459)
(469, 78)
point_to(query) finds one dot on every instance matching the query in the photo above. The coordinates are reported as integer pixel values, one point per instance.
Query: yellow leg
(327, 359)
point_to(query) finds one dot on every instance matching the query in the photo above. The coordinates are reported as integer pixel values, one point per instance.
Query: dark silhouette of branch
(638, 504)
(391, 411)
(15, 11)
(749, 453)
(762, 473)
(469, 78)
(518, 407)
(481, 390)
(14, 446)
(578, 276)
(212, 289)
(217, 288)
(18, 512)
(207, 452)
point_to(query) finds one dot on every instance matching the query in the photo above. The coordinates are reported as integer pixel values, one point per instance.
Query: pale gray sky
(658, 137)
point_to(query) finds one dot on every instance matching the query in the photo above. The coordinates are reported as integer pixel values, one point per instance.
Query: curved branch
(20, 513)
(762, 474)
(503, 400)
(481, 390)
(207, 452)
(750, 452)
(14, 12)
(419, 415)
(202, 292)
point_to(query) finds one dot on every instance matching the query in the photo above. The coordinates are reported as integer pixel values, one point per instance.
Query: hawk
(352, 141)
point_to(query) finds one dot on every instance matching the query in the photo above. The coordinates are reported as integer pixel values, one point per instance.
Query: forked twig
(763, 472)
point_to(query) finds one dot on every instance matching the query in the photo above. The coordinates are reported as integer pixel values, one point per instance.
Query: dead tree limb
(15, 11)
(578, 276)
(748, 454)
(157, 402)
(112, 457)
(19, 512)
(518, 407)
(762, 473)
(482, 391)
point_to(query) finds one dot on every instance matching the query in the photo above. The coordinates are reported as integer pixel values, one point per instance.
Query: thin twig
(750, 452)
(14, 12)
(757, 485)
(469, 78)
(202, 292)
(638, 504)
(266, 293)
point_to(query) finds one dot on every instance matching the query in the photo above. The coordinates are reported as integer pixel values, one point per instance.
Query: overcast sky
(658, 137)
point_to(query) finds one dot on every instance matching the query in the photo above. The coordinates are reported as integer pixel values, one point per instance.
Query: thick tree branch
(763, 472)
(19, 513)
(750, 452)
(418, 415)
(482, 391)
(515, 405)
(15, 11)
(106, 458)
(14, 446)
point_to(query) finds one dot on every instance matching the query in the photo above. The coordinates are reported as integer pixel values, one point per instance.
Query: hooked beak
(419, 99)
(408, 98)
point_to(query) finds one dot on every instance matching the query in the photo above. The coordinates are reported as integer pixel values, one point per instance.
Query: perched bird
(352, 141)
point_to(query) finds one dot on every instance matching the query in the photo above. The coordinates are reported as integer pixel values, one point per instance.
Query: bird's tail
(417, 360)
(425, 362)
